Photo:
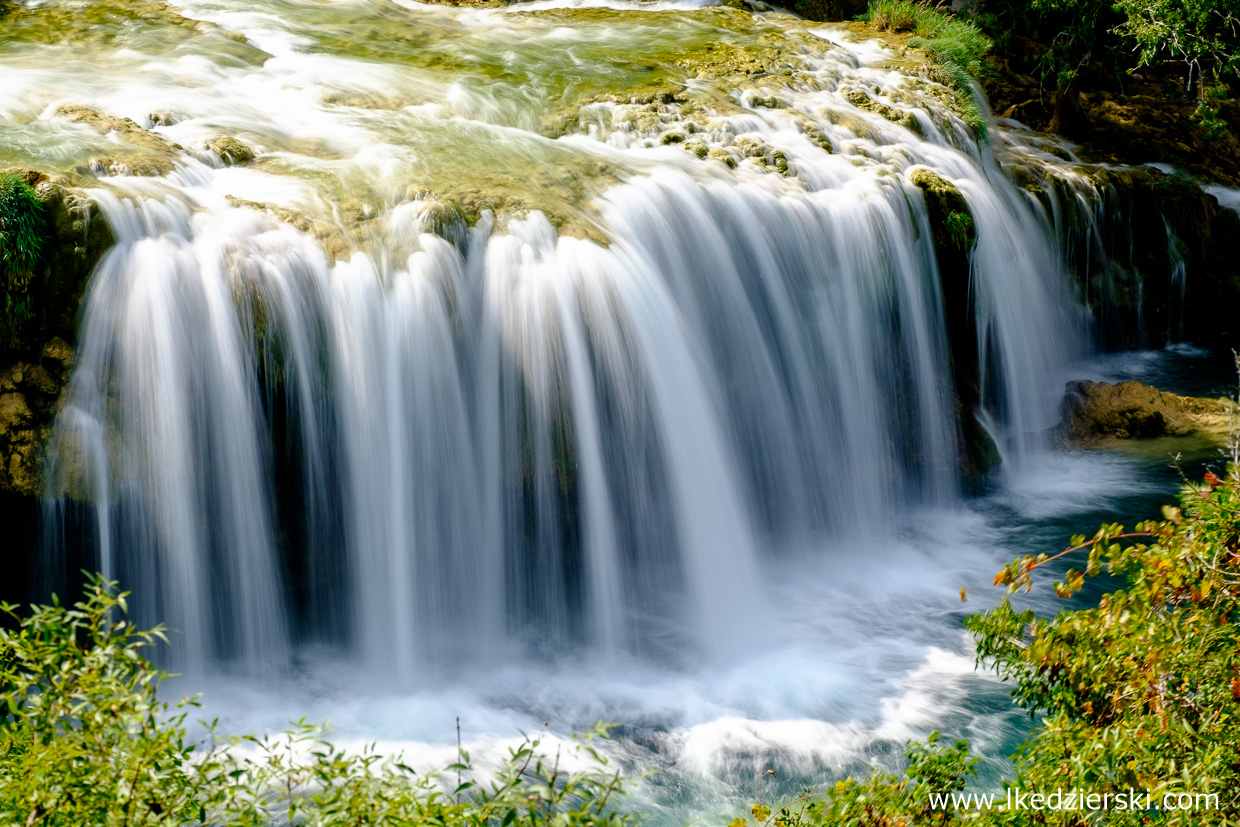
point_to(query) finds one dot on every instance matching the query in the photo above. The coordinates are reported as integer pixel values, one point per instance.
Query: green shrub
(1142, 690)
(85, 739)
(1072, 38)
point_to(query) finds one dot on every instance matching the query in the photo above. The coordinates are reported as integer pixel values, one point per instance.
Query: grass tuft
(957, 47)
(21, 243)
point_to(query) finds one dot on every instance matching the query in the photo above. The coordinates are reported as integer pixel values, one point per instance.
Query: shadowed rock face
(1158, 262)
(1133, 120)
(1098, 412)
(35, 362)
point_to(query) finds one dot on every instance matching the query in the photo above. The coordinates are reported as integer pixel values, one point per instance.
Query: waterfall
(454, 439)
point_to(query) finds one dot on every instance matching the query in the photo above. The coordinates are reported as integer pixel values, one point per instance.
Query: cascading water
(315, 405)
(526, 436)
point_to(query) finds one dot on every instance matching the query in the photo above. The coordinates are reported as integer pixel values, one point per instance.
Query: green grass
(21, 242)
(21, 220)
(957, 48)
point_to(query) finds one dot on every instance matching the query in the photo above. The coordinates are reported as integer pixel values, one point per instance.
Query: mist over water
(654, 438)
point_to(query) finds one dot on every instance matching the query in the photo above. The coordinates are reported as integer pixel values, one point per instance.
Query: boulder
(1096, 412)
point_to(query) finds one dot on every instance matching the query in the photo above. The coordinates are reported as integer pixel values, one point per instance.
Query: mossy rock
(37, 354)
(951, 221)
(144, 153)
(447, 220)
(864, 102)
(1095, 412)
(72, 238)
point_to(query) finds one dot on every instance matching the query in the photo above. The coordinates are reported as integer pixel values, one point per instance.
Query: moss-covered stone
(951, 221)
(902, 117)
(35, 362)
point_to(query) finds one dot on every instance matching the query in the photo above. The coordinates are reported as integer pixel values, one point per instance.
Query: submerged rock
(1095, 412)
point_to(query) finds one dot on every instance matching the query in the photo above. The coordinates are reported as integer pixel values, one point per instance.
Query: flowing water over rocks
(603, 363)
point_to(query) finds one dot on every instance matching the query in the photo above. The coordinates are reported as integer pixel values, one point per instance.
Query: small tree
(84, 737)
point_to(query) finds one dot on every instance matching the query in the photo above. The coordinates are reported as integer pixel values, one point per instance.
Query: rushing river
(542, 366)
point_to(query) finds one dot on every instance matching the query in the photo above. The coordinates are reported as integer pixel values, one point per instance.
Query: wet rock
(768, 102)
(1094, 412)
(21, 438)
(145, 165)
(1165, 266)
(150, 154)
(58, 351)
(864, 102)
(720, 154)
(231, 151)
(447, 220)
(951, 221)
(811, 130)
(162, 117)
(761, 154)
(14, 412)
(698, 148)
(332, 237)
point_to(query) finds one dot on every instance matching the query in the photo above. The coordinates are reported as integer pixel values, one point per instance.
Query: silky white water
(483, 392)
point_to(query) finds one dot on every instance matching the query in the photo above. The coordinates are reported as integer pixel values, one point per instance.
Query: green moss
(816, 135)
